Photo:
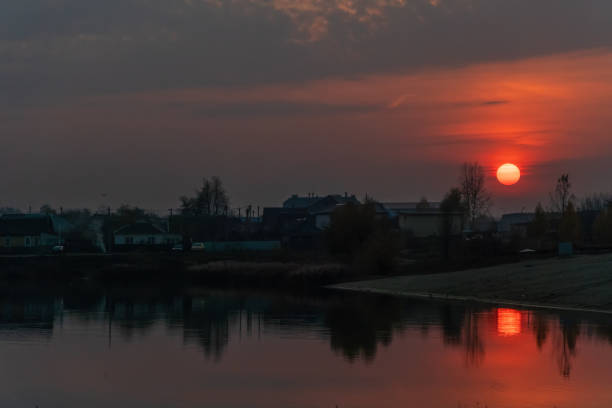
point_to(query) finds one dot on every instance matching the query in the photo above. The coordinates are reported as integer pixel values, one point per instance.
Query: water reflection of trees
(474, 345)
(540, 327)
(355, 325)
(565, 344)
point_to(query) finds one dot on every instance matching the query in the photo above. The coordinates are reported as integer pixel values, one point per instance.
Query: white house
(145, 234)
(424, 220)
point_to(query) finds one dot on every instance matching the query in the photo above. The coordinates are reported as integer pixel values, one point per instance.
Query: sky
(134, 101)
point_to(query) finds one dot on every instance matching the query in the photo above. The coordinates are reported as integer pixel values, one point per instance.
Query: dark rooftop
(26, 224)
(140, 228)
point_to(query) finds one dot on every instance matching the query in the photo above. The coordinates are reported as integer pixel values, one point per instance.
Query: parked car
(178, 247)
(58, 249)
(197, 246)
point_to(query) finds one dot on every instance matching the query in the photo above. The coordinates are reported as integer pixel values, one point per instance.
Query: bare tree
(561, 197)
(220, 200)
(476, 198)
(595, 202)
(423, 204)
(211, 199)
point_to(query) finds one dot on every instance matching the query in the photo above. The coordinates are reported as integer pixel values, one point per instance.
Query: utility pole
(170, 213)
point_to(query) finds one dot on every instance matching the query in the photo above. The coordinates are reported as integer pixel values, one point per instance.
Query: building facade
(24, 232)
(144, 234)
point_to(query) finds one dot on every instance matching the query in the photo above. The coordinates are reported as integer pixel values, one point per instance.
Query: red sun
(508, 174)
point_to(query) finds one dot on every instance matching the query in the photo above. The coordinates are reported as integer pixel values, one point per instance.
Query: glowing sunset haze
(386, 98)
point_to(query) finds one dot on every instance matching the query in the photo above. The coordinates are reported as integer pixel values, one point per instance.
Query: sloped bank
(578, 283)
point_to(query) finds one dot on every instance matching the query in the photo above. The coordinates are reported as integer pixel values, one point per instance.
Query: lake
(94, 347)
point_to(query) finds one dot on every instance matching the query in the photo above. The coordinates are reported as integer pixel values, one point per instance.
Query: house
(296, 201)
(423, 220)
(515, 224)
(322, 210)
(298, 211)
(279, 221)
(29, 232)
(144, 234)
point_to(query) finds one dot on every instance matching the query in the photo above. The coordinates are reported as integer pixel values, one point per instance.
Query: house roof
(140, 228)
(26, 224)
(330, 203)
(296, 201)
(409, 206)
(508, 220)
(315, 203)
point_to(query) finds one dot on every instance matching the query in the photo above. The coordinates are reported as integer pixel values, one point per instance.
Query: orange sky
(379, 134)
(136, 102)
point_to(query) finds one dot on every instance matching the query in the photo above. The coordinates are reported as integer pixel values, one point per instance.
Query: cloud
(273, 108)
(54, 49)
(492, 103)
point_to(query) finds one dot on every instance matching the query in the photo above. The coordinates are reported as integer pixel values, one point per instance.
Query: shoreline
(455, 298)
(582, 284)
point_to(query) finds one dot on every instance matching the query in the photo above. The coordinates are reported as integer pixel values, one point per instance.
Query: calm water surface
(205, 348)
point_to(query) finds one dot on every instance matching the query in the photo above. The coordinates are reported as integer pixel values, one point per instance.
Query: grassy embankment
(580, 282)
(274, 269)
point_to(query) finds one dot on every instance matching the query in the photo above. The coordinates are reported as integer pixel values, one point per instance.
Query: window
(7, 242)
(151, 241)
(129, 240)
(28, 242)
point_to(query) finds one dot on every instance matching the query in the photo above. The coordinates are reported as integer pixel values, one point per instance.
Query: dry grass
(578, 282)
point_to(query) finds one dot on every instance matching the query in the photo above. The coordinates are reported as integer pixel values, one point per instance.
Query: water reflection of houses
(355, 326)
(26, 317)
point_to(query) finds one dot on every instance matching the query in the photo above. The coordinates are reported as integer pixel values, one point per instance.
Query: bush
(357, 235)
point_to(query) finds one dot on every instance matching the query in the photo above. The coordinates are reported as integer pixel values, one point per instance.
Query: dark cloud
(493, 103)
(53, 48)
(271, 108)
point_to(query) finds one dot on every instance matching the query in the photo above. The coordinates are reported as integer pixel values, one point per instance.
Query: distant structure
(301, 202)
(515, 223)
(422, 219)
(30, 232)
(302, 219)
(144, 234)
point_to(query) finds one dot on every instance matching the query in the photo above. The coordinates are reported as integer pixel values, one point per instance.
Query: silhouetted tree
(570, 228)
(595, 202)
(449, 207)
(476, 198)
(561, 197)
(539, 225)
(211, 199)
(356, 234)
(423, 204)
(602, 227)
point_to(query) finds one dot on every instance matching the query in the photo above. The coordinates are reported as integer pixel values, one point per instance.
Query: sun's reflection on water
(508, 322)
